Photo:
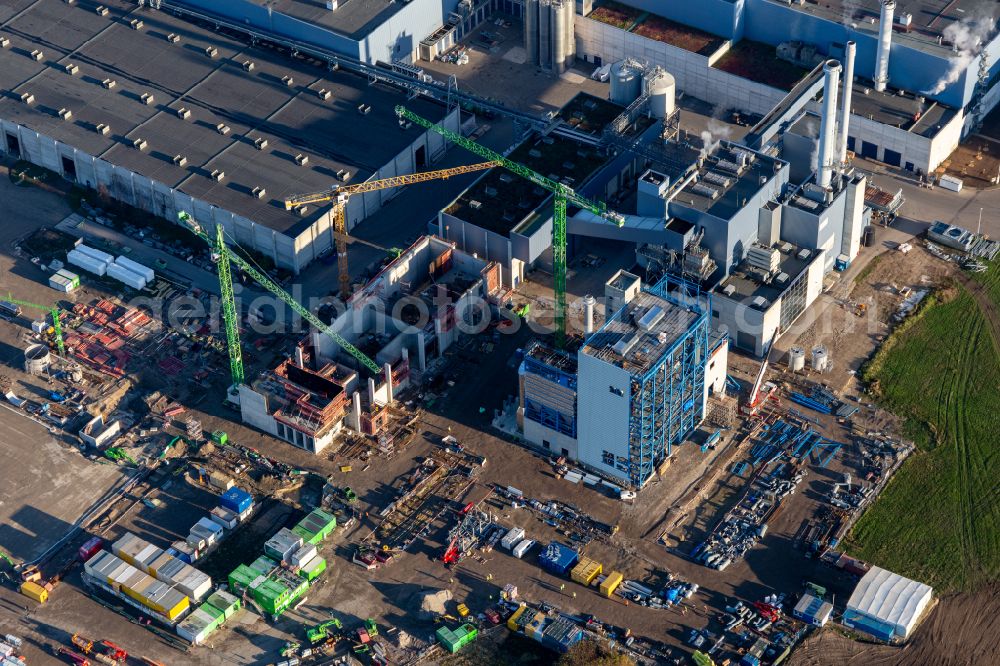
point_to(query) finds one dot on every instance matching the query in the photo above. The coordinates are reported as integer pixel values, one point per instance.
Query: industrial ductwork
(828, 123)
(884, 44)
(845, 114)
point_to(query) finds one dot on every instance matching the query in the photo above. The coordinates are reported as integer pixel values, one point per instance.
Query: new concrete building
(200, 122)
(635, 388)
(415, 308)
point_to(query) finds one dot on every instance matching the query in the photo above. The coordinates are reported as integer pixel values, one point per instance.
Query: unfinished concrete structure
(404, 318)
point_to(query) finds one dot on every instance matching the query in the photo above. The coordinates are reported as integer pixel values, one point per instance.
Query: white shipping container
(104, 257)
(86, 262)
(522, 548)
(126, 276)
(950, 183)
(510, 539)
(136, 267)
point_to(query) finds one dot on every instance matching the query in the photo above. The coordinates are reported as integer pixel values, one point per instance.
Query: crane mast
(53, 311)
(562, 197)
(340, 196)
(226, 257)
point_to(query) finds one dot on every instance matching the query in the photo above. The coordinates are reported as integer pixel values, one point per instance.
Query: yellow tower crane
(339, 196)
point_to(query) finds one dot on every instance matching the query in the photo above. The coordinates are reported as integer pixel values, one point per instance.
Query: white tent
(891, 600)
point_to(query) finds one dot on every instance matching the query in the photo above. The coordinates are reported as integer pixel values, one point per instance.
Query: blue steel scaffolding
(543, 361)
(667, 400)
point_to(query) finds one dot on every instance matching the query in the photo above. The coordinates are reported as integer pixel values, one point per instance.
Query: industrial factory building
(919, 76)
(404, 318)
(202, 122)
(636, 388)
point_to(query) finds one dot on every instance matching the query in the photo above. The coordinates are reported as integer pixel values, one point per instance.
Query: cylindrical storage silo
(37, 360)
(569, 14)
(626, 83)
(531, 30)
(820, 358)
(558, 36)
(544, 34)
(662, 92)
(796, 359)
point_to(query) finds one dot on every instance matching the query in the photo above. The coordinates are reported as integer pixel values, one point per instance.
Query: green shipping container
(313, 569)
(216, 613)
(225, 602)
(454, 640)
(241, 578)
(306, 535)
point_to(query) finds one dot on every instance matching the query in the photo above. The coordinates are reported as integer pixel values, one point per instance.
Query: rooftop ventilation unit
(716, 179)
(183, 113)
(218, 175)
(534, 152)
(37, 55)
(258, 192)
(782, 278)
(260, 143)
(405, 124)
(490, 191)
(102, 129)
(731, 167)
(302, 211)
(729, 289)
(211, 51)
(147, 98)
(27, 98)
(301, 159)
(764, 258)
(324, 94)
(248, 65)
(803, 254)
(625, 345)
(101, 10)
(787, 247)
(64, 113)
(506, 177)
(173, 39)
(108, 84)
(4, 42)
(364, 109)
(71, 68)
(343, 175)
(222, 129)
(475, 205)
(135, 24)
(705, 191)
(180, 160)
(288, 81)
(759, 302)
(70, 2)
(139, 144)
(651, 318)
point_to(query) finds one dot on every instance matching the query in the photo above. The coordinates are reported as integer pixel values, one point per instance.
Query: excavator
(321, 632)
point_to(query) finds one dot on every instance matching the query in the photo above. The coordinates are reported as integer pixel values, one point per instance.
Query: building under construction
(637, 387)
(404, 319)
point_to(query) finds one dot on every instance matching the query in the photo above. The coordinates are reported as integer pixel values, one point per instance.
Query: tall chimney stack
(845, 115)
(828, 123)
(884, 44)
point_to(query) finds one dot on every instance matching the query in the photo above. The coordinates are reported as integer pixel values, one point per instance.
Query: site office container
(236, 499)
(224, 517)
(585, 571)
(241, 578)
(522, 548)
(100, 255)
(34, 591)
(226, 602)
(611, 583)
(313, 569)
(140, 269)
(512, 538)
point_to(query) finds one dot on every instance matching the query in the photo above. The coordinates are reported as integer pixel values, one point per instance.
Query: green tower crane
(53, 311)
(224, 256)
(562, 196)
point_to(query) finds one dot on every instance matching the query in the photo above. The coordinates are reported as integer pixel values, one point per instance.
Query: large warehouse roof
(891, 599)
(277, 100)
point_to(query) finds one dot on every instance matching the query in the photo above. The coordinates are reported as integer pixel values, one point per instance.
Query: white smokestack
(845, 115)
(828, 123)
(588, 314)
(884, 44)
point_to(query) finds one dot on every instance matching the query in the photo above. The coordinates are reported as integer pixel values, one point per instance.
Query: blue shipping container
(236, 499)
(558, 558)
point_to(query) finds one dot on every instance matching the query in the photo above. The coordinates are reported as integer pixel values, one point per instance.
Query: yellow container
(611, 583)
(463, 610)
(181, 606)
(345, 468)
(512, 620)
(586, 571)
(35, 591)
